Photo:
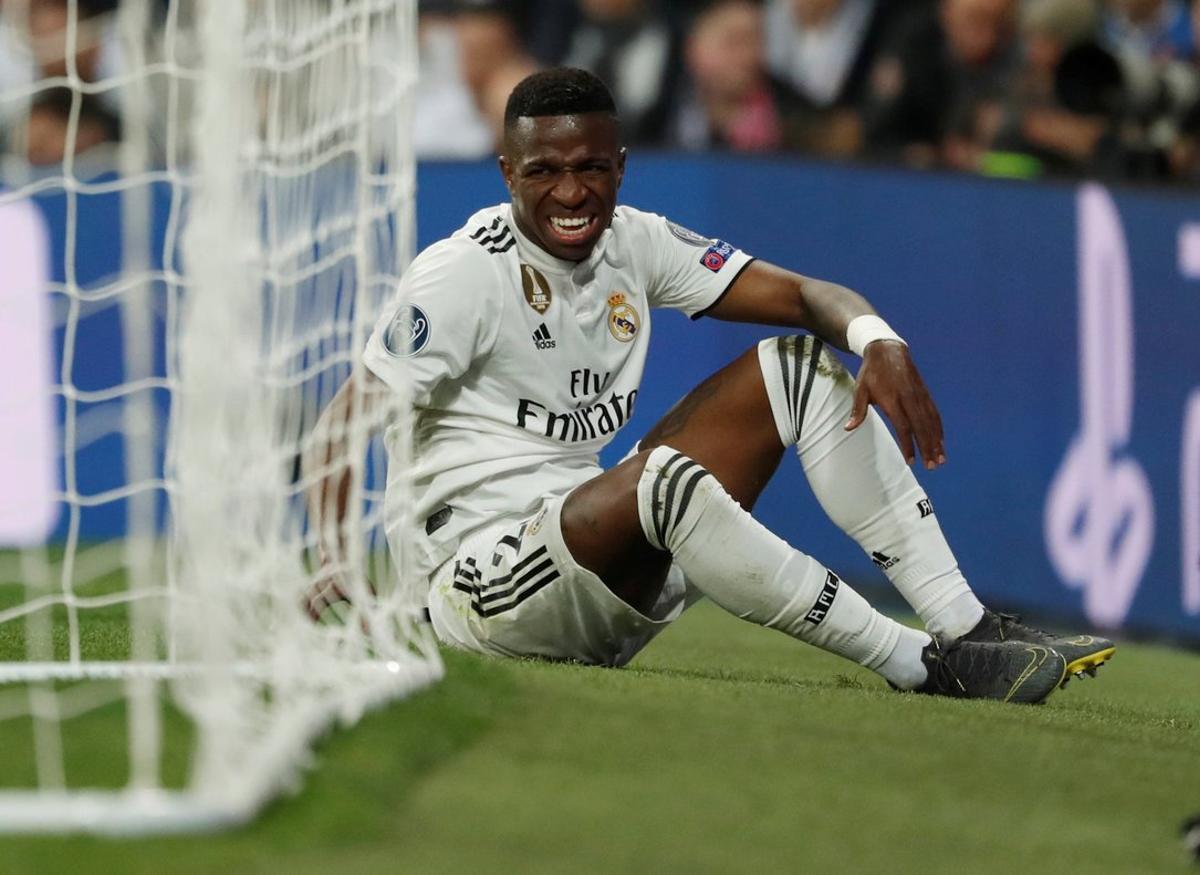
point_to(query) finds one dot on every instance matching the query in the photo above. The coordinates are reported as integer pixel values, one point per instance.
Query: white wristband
(863, 330)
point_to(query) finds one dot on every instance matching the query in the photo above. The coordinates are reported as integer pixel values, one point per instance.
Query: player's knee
(600, 519)
(801, 374)
(667, 490)
(800, 354)
(603, 532)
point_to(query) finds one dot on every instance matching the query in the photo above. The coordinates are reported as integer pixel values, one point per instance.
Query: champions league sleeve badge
(691, 238)
(408, 332)
(716, 256)
(623, 319)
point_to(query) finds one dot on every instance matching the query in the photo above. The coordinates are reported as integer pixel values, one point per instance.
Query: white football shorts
(513, 589)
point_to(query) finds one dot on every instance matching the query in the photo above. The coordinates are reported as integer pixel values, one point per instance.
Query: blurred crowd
(34, 120)
(1027, 88)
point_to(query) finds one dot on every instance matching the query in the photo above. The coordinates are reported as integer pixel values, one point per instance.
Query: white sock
(904, 667)
(754, 574)
(861, 480)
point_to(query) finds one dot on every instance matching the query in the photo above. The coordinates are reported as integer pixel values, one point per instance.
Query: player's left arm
(327, 466)
(888, 378)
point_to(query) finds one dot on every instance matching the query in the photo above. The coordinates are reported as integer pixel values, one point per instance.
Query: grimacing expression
(563, 172)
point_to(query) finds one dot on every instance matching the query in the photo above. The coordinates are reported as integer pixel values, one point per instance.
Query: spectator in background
(938, 71)
(34, 37)
(1063, 103)
(629, 44)
(446, 122)
(1153, 41)
(33, 43)
(45, 133)
(1160, 29)
(1195, 30)
(731, 102)
(44, 23)
(494, 95)
(546, 26)
(487, 40)
(492, 58)
(1183, 154)
(824, 48)
(465, 47)
(15, 63)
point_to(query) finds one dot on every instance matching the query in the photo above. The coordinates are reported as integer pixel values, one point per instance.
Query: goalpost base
(156, 811)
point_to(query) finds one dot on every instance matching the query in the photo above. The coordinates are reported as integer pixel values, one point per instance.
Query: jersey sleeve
(440, 321)
(690, 272)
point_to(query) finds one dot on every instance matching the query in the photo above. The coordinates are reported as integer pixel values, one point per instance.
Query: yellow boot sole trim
(1091, 660)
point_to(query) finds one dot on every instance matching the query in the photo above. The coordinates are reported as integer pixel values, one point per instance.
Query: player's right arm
(441, 320)
(888, 377)
(712, 278)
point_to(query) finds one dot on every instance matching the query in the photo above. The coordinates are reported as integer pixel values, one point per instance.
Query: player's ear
(621, 165)
(506, 170)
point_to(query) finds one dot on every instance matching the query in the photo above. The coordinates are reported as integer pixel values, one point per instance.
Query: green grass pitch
(722, 748)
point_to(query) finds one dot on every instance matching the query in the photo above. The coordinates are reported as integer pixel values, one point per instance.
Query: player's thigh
(726, 425)
(602, 530)
(516, 590)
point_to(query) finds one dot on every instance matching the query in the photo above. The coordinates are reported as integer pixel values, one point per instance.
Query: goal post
(266, 190)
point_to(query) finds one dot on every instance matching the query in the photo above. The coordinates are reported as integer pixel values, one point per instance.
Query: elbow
(796, 310)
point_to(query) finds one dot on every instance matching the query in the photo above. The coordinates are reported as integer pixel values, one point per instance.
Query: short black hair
(558, 91)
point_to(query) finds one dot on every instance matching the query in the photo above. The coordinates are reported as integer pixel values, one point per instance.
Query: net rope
(263, 190)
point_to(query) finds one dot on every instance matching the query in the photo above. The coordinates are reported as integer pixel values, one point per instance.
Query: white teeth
(570, 224)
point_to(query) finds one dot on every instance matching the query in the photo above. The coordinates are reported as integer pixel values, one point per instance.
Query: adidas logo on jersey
(542, 338)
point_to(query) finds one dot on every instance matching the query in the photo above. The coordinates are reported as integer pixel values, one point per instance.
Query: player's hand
(889, 380)
(330, 590)
(323, 595)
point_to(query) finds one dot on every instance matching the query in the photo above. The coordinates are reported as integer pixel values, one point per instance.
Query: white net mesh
(213, 277)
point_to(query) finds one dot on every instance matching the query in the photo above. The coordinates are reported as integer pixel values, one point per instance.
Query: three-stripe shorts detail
(495, 595)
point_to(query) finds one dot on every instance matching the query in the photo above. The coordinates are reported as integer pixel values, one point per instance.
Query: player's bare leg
(687, 493)
(723, 435)
(862, 481)
(729, 409)
(793, 392)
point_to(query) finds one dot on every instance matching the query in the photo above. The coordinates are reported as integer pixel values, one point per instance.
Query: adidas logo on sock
(541, 337)
(883, 560)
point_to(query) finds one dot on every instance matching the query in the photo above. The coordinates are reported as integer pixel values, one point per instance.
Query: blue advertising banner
(1054, 324)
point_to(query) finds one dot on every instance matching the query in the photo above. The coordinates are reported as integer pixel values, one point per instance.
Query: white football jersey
(524, 366)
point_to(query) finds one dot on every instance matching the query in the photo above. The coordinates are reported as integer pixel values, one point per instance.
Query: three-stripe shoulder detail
(495, 238)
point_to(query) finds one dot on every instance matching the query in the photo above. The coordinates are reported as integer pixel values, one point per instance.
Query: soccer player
(524, 335)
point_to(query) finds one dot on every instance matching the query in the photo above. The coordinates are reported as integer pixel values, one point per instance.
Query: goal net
(203, 204)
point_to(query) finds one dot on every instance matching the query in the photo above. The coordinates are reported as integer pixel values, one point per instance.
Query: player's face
(563, 173)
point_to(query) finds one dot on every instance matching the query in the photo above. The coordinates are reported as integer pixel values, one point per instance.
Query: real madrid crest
(623, 319)
(537, 290)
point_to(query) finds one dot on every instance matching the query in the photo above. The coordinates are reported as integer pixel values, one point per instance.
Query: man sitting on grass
(523, 337)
